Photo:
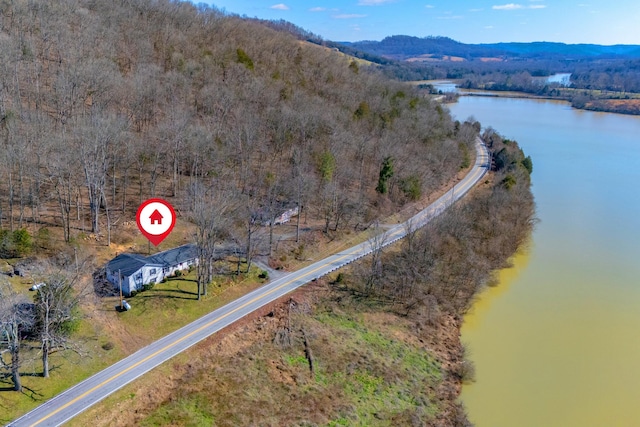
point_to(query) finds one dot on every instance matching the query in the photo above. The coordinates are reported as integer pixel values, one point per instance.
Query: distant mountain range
(434, 48)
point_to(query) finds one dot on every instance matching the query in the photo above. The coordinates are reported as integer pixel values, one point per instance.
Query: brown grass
(623, 106)
(360, 377)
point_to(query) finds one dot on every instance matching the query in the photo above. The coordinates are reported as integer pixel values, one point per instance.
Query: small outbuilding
(282, 214)
(135, 270)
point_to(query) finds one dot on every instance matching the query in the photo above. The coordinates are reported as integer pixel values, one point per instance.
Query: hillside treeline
(403, 47)
(105, 104)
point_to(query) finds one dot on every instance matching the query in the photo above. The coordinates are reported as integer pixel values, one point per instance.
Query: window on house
(138, 277)
(152, 272)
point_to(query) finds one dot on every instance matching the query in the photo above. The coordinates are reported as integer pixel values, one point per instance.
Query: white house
(135, 271)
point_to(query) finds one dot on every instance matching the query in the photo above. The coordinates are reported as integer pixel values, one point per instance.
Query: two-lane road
(71, 402)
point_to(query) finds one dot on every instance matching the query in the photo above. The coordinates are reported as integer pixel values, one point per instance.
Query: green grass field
(155, 313)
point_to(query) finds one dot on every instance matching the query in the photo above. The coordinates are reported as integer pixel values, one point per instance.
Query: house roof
(175, 256)
(130, 263)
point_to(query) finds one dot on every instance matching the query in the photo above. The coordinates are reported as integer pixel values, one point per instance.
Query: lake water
(557, 342)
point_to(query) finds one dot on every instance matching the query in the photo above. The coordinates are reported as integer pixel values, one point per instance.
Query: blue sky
(468, 21)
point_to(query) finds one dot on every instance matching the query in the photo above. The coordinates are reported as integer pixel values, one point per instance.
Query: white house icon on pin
(156, 217)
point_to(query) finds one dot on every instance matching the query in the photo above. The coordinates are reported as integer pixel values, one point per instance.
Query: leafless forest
(104, 104)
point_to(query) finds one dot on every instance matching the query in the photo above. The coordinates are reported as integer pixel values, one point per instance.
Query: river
(557, 342)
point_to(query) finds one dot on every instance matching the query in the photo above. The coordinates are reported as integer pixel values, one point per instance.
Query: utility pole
(120, 285)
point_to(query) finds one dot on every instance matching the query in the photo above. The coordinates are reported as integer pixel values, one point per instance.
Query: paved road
(71, 402)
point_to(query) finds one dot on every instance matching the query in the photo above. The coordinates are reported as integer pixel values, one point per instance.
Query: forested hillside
(104, 104)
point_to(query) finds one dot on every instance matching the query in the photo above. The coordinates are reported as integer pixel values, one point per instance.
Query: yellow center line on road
(174, 343)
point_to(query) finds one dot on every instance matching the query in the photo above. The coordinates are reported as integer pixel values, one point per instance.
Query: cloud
(348, 16)
(515, 6)
(510, 6)
(280, 6)
(450, 15)
(429, 6)
(373, 2)
(317, 9)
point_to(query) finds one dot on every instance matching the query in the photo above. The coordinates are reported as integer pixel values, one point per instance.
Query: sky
(469, 21)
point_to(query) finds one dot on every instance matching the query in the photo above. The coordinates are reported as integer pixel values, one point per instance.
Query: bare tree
(369, 270)
(250, 228)
(55, 315)
(16, 317)
(95, 137)
(61, 170)
(174, 136)
(160, 92)
(208, 211)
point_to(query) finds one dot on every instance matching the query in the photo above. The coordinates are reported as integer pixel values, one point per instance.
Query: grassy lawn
(173, 303)
(155, 313)
(66, 369)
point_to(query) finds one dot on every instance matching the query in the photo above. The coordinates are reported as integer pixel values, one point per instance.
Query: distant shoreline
(615, 106)
(627, 103)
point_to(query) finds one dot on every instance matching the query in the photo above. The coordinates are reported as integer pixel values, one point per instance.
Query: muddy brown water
(557, 342)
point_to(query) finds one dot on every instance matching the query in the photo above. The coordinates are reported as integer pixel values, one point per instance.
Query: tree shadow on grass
(7, 385)
(181, 279)
(167, 293)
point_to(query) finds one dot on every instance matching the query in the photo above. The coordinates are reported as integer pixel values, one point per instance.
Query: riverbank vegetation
(582, 92)
(589, 86)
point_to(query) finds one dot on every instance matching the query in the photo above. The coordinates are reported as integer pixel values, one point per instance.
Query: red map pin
(156, 219)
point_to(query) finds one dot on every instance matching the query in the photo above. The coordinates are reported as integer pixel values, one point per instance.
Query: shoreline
(580, 99)
(612, 106)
